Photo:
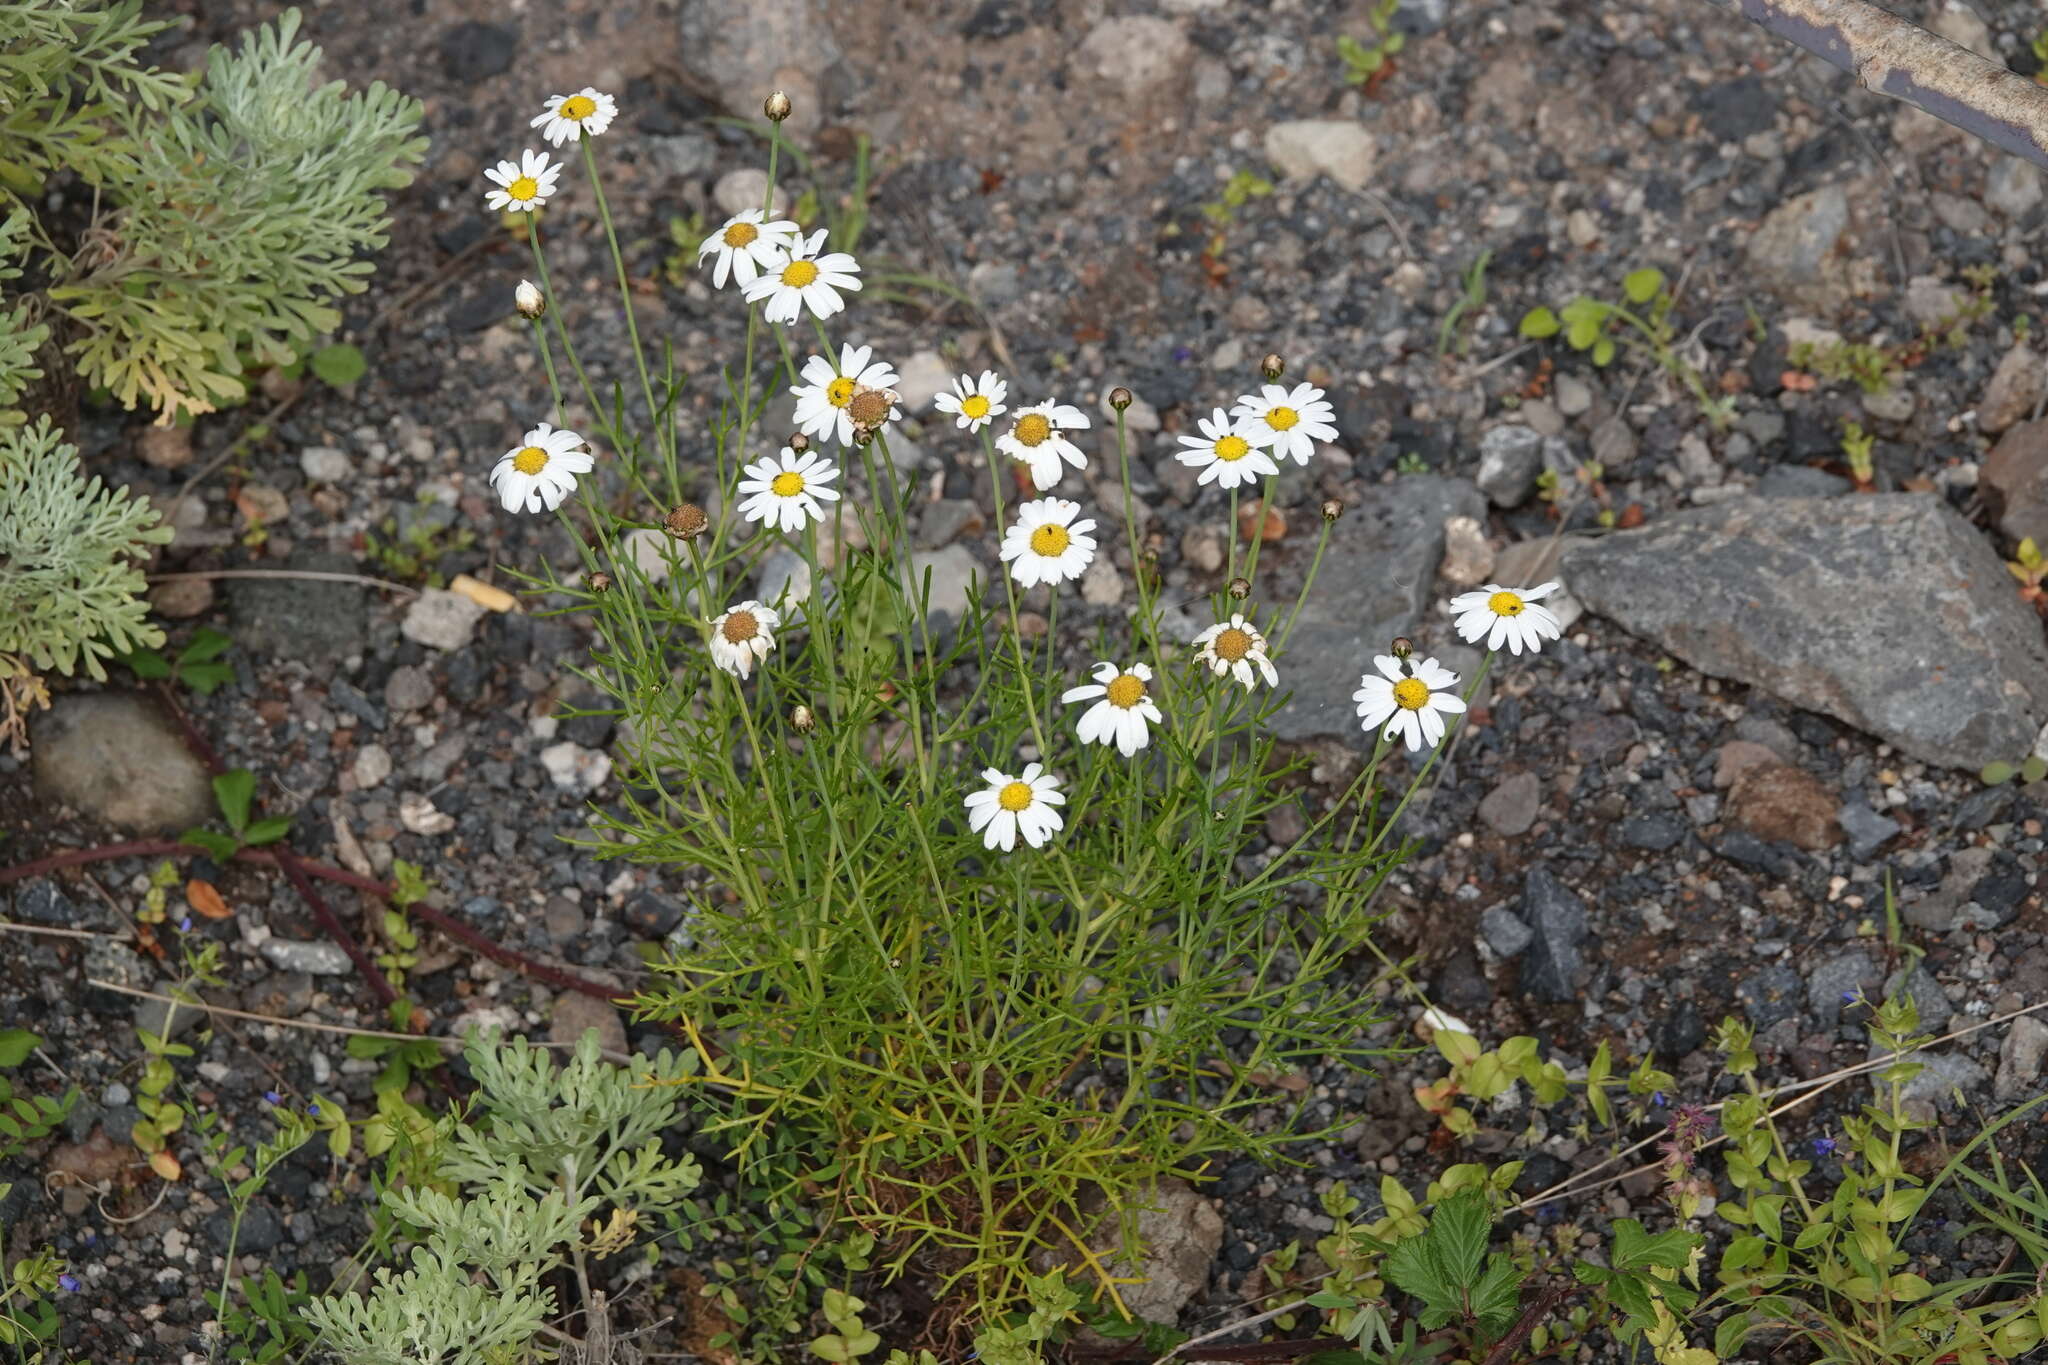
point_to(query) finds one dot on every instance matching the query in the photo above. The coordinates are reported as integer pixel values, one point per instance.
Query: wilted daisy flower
(523, 185)
(824, 401)
(745, 244)
(1009, 804)
(1409, 699)
(1125, 708)
(742, 635)
(542, 472)
(567, 117)
(797, 277)
(1035, 439)
(1046, 545)
(1286, 422)
(1509, 615)
(974, 403)
(784, 489)
(1236, 647)
(1224, 454)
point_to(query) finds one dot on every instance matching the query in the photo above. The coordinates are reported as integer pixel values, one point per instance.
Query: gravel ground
(1651, 826)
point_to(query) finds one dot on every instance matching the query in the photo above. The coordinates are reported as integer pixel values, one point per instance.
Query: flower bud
(1240, 588)
(798, 443)
(776, 107)
(687, 521)
(600, 581)
(802, 720)
(1120, 398)
(531, 303)
(1402, 647)
(1272, 366)
(1332, 509)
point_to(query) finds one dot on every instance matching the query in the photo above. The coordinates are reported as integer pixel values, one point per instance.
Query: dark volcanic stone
(1734, 110)
(1558, 917)
(475, 51)
(1772, 994)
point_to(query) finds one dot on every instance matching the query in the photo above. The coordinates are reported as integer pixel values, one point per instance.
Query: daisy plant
(987, 922)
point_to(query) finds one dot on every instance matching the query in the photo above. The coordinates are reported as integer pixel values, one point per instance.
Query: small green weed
(409, 556)
(1640, 319)
(1367, 64)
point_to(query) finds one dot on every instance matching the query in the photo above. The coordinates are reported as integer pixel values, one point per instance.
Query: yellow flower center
(1033, 428)
(1280, 419)
(1233, 448)
(739, 627)
(741, 234)
(530, 460)
(1015, 796)
(578, 108)
(1126, 691)
(839, 392)
(1233, 644)
(1050, 540)
(1504, 604)
(1411, 694)
(525, 187)
(797, 274)
(974, 406)
(787, 484)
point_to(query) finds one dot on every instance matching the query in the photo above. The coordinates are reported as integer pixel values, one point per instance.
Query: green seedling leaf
(205, 678)
(339, 365)
(1539, 322)
(234, 791)
(1996, 773)
(207, 643)
(1603, 351)
(147, 664)
(2034, 769)
(268, 830)
(15, 1045)
(218, 847)
(1642, 285)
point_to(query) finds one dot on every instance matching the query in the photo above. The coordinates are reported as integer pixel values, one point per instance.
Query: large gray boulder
(1888, 612)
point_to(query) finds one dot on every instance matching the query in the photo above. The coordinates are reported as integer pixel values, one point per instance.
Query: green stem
(664, 433)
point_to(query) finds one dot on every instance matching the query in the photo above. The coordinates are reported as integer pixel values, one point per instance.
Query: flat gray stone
(1793, 251)
(1557, 918)
(440, 619)
(1338, 148)
(2019, 1060)
(1887, 611)
(312, 620)
(117, 758)
(1376, 581)
(745, 51)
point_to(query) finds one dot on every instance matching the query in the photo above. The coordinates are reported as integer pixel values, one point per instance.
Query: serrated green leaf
(1496, 1299)
(206, 678)
(1635, 1249)
(268, 830)
(217, 846)
(206, 643)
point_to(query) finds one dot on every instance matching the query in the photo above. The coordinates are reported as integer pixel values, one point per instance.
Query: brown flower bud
(600, 581)
(1272, 366)
(802, 720)
(687, 522)
(529, 301)
(776, 107)
(1120, 398)
(1332, 509)
(1240, 588)
(1402, 647)
(798, 443)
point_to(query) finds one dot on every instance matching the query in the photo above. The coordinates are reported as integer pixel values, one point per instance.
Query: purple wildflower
(272, 1097)
(69, 1283)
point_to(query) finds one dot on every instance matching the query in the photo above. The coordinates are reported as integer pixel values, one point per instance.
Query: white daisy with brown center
(1408, 700)
(826, 400)
(539, 473)
(743, 636)
(1125, 709)
(1036, 438)
(746, 245)
(1046, 545)
(1009, 806)
(1236, 647)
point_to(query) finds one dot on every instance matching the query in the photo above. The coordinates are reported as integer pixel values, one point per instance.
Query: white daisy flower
(1035, 439)
(1409, 699)
(1236, 647)
(523, 185)
(1120, 718)
(1507, 615)
(568, 117)
(784, 489)
(542, 472)
(1286, 422)
(1046, 545)
(1224, 454)
(824, 402)
(797, 277)
(1010, 804)
(742, 635)
(974, 403)
(745, 244)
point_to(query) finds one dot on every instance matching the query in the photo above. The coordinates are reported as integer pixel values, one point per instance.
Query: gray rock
(1137, 54)
(922, 378)
(1793, 251)
(1930, 1001)
(1773, 593)
(409, 688)
(2016, 386)
(1376, 581)
(575, 769)
(683, 156)
(2019, 1059)
(1506, 932)
(2013, 187)
(782, 571)
(1867, 830)
(743, 52)
(1771, 995)
(41, 902)
(314, 621)
(440, 619)
(1574, 395)
(1557, 921)
(1800, 481)
(1509, 459)
(1510, 808)
(952, 570)
(1181, 1233)
(737, 191)
(575, 1013)
(115, 757)
(1942, 1075)
(2014, 481)
(314, 959)
(324, 464)
(1614, 445)
(1834, 984)
(1338, 148)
